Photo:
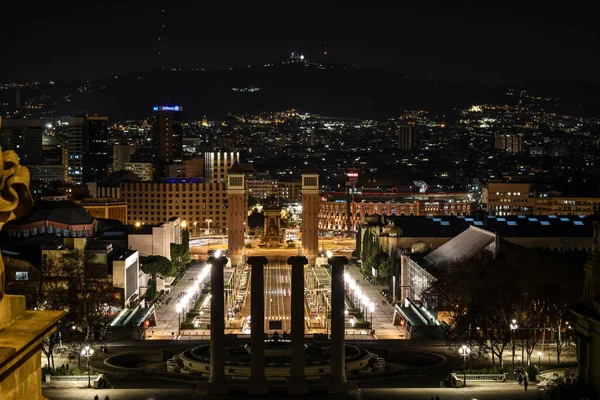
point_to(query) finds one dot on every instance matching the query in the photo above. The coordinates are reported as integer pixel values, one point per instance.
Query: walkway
(383, 313)
(167, 319)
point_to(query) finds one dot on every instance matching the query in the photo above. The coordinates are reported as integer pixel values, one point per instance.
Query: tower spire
(162, 40)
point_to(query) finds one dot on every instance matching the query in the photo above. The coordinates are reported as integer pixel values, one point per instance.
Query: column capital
(217, 260)
(297, 260)
(257, 260)
(337, 260)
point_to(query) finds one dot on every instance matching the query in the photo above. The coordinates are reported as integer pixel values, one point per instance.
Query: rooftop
(462, 247)
(65, 212)
(509, 226)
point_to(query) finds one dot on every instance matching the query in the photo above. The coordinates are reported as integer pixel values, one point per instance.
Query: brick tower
(310, 213)
(236, 213)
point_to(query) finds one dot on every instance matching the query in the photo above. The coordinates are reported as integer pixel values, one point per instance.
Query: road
(278, 287)
(179, 391)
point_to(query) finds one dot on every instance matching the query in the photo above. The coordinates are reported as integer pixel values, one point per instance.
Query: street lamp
(513, 326)
(208, 221)
(183, 224)
(87, 352)
(195, 229)
(178, 309)
(372, 308)
(539, 359)
(464, 351)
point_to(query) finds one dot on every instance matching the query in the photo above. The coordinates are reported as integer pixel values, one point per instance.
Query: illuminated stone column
(217, 381)
(258, 382)
(297, 383)
(337, 379)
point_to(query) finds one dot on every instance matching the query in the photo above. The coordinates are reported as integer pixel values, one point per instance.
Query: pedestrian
(525, 383)
(67, 367)
(520, 378)
(96, 397)
(107, 398)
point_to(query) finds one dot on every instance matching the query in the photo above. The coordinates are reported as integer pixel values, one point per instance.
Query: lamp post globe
(513, 327)
(464, 351)
(87, 352)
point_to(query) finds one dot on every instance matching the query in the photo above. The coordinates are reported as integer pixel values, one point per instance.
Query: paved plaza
(501, 391)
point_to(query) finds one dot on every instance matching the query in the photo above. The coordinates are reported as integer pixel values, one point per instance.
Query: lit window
(22, 276)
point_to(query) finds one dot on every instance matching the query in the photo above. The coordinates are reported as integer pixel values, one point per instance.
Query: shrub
(532, 371)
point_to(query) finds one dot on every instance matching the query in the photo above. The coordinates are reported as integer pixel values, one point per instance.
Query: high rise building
(216, 165)
(167, 142)
(88, 149)
(77, 143)
(509, 142)
(24, 136)
(121, 155)
(406, 137)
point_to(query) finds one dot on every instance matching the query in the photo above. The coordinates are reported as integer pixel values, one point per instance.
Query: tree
(156, 266)
(75, 282)
(385, 268)
(358, 245)
(482, 295)
(252, 202)
(185, 239)
(180, 255)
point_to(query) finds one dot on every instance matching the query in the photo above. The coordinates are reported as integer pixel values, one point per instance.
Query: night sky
(442, 41)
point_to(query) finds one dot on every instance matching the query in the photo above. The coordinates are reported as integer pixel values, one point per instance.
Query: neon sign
(167, 108)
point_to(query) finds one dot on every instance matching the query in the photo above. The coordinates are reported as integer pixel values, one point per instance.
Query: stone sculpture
(15, 198)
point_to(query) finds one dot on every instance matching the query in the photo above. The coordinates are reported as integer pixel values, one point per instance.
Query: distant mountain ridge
(327, 89)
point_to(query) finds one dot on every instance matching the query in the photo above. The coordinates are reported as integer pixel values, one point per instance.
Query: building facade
(24, 136)
(144, 171)
(188, 199)
(155, 239)
(566, 205)
(406, 137)
(217, 164)
(121, 155)
(48, 173)
(502, 199)
(510, 143)
(87, 143)
(336, 213)
(106, 208)
(60, 218)
(167, 142)
(499, 198)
